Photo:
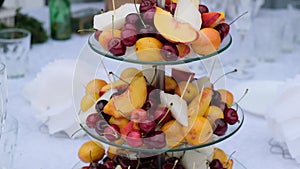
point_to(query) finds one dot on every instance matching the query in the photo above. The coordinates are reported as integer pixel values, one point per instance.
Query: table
(38, 150)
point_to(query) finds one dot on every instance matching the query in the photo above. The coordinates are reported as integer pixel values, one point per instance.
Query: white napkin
(283, 116)
(51, 95)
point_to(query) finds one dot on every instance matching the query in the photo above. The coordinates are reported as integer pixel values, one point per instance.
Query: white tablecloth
(38, 150)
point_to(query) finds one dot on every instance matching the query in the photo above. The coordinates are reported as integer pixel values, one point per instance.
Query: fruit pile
(132, 112)
(161, 33)
(96, 157)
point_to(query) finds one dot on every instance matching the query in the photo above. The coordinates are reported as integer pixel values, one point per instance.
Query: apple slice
(186, 11)
(198, 157)
(173, 30)
(177, 105)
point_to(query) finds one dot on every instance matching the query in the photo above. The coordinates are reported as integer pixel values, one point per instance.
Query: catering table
(37, 149)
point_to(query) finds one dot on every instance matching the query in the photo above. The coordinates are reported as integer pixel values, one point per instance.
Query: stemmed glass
(244, 9)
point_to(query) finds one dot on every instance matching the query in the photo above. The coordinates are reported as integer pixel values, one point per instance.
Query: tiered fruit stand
(158, 70)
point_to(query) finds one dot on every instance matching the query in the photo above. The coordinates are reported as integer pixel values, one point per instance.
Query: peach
(170, 84)
(107, 35)
(226, 97)
(222, 156)
(183, 50)
(188, 90)
(91, 151)
(200, 103)
(133, 98)
(130, 72)
(213, 113)
(212, 19)
(120, 122)
(88, 101)
(209, 41)
(148, 49)
(198, 131)
(173, 30)
(174, 133)
(94, 86)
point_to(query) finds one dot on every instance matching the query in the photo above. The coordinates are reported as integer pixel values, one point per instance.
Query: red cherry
(112, 132)
(231, 116)
(221, 127)
(129, 37)
(203, 9)
(116, 47)
(134, 138)
(147, 126)
(92, 120)
(169, 52)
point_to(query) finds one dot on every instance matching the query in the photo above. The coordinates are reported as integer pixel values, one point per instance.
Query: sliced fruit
(130, 72)
(148, 49)
(226, 96)
(107, 35)
(220, 155)
(183, 50)
(213, 113)
(173, 30)
(209, 41)
(200, 104)
(198, 131)
(94, 86)
(133, 98)
(187, 89)
(212, 19)
(180, 74)
(174, 133)
(88, 101)
(170, 84)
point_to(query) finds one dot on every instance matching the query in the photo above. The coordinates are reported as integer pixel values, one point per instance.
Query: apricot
(130, 72)
(209, 41)
(200, 103)
(94, 86)
(148, 49)
(91, 151)
(107, 35)
(226, 97)
(174, 133)
(188, 90)
(198, 131)
(88, 101)
(170, 84)
(213, 113)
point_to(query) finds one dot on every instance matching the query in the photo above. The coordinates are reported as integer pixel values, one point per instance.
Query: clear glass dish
(131, 57)
(232, 129)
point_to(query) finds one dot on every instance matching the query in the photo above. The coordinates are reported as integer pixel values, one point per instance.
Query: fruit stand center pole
(160, 84)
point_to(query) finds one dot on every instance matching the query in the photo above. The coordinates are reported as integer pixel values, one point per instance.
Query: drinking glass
(14, 48)
(3, 95)
(8, 142)
(244, 9)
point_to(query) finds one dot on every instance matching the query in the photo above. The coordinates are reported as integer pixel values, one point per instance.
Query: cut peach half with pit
(173, 30)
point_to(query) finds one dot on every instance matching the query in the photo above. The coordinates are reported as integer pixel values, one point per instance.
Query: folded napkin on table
(283, 117)
(51, 95)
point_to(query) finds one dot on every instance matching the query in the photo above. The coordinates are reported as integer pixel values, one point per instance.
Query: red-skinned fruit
(92, 120)
(169, 52)
(203, 8)
(231, 116)
(129, 26)
(146, 5)
(139, 115)
(97, 34)
(134, 138)
(221, 127)
(216, 164)
(132, 18)
(116, 47)
(129, 37)
(112, 132)
(148, 16)
(147, 126)
(223, 29)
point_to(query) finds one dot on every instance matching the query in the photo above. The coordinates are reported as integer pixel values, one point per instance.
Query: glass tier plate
(236, 165)
(131, 57)
(232, 129)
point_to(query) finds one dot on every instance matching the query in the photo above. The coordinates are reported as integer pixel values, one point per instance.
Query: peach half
(212, 19)
(173, 30)
(209, 41)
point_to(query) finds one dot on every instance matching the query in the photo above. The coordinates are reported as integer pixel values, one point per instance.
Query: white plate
(260, 95)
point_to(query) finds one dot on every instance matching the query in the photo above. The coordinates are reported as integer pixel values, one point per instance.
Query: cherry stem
(175, 163)
(161, 120)
(112, 73)
(185, 87)
(245, 93)
(139, 14)
(238, 17)
(233, 71)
